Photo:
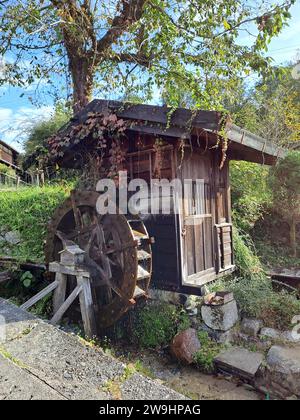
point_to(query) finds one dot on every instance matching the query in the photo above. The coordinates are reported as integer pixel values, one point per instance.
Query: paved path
(39, 361)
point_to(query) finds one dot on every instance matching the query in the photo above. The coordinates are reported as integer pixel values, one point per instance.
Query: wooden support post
(87, 307)
(60, 292)
(83, 290)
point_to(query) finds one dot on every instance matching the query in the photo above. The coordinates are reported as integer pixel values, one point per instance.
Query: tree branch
(131, 12)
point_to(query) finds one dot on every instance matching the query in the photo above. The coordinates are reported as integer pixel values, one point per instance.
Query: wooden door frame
(201, 278)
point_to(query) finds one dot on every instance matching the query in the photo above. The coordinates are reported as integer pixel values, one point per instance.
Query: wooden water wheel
(118, 253)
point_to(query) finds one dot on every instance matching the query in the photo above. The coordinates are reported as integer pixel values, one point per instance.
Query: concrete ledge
(67, 366)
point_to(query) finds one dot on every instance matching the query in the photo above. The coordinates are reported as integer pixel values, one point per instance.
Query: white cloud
(15, 126)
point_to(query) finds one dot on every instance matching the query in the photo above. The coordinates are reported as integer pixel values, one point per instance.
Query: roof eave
(265, 150)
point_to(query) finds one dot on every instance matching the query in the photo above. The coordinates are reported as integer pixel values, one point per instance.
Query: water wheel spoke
(109, 282)
(76, 212)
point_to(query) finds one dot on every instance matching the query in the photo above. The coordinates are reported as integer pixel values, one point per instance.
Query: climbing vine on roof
(98, 128)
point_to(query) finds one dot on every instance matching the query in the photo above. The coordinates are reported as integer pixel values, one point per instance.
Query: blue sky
(17, 114)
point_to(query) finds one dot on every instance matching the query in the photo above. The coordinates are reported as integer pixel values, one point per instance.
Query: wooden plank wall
(166, 257)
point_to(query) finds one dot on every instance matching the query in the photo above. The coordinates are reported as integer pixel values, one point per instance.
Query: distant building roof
(14, 155)
(3, 143)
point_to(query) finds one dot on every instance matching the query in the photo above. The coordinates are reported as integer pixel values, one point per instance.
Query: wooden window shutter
(224, 246)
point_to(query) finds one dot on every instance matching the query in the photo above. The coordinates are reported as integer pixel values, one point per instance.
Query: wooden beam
(65, 306)
(56, 267)
(39, 296)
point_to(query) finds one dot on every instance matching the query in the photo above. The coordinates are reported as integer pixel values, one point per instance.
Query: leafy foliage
(271, 108)
(256, 298)
(253, 290)
(27, 278)
(27, 212)
(204, 358)
(246, 260)
(101, 129)
(7, 170)
(251, 193)
(285, 184)
(156, 325)
(173, 45)
(274, 254)
(45, 129)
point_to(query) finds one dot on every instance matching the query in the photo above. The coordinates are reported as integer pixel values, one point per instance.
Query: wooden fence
(12, 182)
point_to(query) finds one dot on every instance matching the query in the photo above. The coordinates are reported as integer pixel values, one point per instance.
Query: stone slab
(71, 367)
(17, 322)
(17, 384)
(240, 361)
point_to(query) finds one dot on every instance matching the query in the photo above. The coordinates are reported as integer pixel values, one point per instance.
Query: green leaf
(226, 25)
(27, 282)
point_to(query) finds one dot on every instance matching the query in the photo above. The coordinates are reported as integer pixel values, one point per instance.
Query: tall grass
(27, 212)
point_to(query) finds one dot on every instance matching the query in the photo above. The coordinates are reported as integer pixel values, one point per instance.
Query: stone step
(240, 362)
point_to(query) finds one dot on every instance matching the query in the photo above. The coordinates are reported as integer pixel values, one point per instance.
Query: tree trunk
(293, 241)
(82, 72)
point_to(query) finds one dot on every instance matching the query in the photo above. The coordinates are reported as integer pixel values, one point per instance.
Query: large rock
(185, 345)
(220, 317)
(12, 238)
(280, 337)
(290, 337)
(270, 333)
(281, 376)
(220, 337)
(251, 326)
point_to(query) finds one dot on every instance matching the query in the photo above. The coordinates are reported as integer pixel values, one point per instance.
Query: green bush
(253, 290)
(7, 170)
(204, 358)
(247, 262)
(256, 298)
(285, 183)
(27, 212)
(155, 325)
(251, 193)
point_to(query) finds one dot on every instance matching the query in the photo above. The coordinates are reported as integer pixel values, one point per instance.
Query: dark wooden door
(197, 220)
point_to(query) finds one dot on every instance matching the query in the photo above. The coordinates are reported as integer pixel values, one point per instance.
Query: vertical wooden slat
(189, 249)
(199, 247)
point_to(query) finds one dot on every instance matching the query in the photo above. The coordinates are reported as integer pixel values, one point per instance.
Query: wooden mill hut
(195, 246)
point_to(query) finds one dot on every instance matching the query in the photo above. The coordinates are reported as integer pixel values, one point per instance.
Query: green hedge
(27, 211)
